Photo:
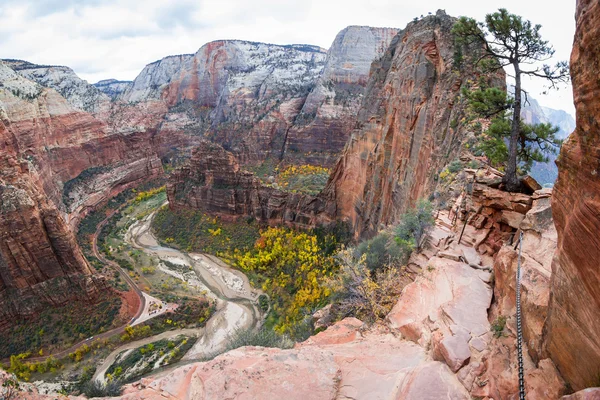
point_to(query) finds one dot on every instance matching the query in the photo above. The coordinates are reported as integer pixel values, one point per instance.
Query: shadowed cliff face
(40, 261)
(572, 328)
(409, 127)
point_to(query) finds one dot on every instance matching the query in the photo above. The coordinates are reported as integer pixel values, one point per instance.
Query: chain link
(519, 327)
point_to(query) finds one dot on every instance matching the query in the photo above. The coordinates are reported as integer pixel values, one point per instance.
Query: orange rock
(573, 325)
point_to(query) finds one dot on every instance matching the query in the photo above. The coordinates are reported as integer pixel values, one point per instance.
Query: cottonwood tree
(510, 41)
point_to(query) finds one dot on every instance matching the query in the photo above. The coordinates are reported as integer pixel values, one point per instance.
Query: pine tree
(511, 41)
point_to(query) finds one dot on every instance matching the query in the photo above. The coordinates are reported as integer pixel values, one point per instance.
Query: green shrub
(498, 326)
(455, 166)
(94, 388)
(263, 337)
(380, 251)
(414, 224)
(263, 302)
(474, 164)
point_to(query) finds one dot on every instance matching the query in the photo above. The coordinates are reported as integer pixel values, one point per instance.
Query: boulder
(454, 350)
(530, 183)
(448, 291)
(432, 380)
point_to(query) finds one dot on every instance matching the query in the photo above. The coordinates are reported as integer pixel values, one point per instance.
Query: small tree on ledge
(534, 141)
(510, 41)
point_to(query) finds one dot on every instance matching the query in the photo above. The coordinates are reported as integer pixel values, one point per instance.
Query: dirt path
(118, 268)
(235, 298)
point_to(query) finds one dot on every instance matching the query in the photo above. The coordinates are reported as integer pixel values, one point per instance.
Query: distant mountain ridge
(534, 113)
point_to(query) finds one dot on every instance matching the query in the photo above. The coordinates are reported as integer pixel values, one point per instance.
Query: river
(236, 300)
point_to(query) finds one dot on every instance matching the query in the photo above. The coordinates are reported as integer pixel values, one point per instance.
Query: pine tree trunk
(511, 179)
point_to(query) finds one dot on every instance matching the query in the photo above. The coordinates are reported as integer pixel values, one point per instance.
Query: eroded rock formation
(409, 127)
(572, 328)
(261, 100)
(214, 182)
(40, 262)
(329, 113)
(45, 142)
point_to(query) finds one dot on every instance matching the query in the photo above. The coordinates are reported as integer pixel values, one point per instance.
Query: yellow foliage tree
(291, 268)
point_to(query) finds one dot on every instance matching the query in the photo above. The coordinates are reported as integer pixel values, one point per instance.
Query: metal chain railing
(519, 326)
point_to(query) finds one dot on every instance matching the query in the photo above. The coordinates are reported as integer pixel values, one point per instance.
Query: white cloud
(115, 38)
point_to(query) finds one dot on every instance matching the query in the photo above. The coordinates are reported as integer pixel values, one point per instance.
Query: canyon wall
(410, 125)
(40, 261)
(572, 327)
(329, 113)
(257, 100)
(46, 142)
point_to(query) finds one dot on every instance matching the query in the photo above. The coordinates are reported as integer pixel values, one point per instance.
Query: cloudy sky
(102, 39)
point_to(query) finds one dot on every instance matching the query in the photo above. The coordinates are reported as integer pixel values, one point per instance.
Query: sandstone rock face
(539, 244)
(243, 95)
(261, 100)
(40, 262)
(586, 394)
(335, 364)
(404, 135)
(45, 142)
(60, 142)
(330, 111)
(154, 77)
(573, 337)
(214, 182)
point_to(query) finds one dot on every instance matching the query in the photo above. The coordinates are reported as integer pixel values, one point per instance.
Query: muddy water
(236, 300)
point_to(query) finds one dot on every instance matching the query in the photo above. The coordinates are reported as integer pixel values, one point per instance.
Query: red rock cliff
(40, 262)
(573, 324)
(214, 182)
(409, 127)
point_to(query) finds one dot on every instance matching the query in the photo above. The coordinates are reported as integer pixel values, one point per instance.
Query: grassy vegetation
(191, 313)
(498, 326)
(309, 179)
(57, 328)
(195, 231)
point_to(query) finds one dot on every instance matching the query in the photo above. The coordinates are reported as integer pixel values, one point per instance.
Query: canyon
(68, 146)
(404, 138)
(383, 108)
